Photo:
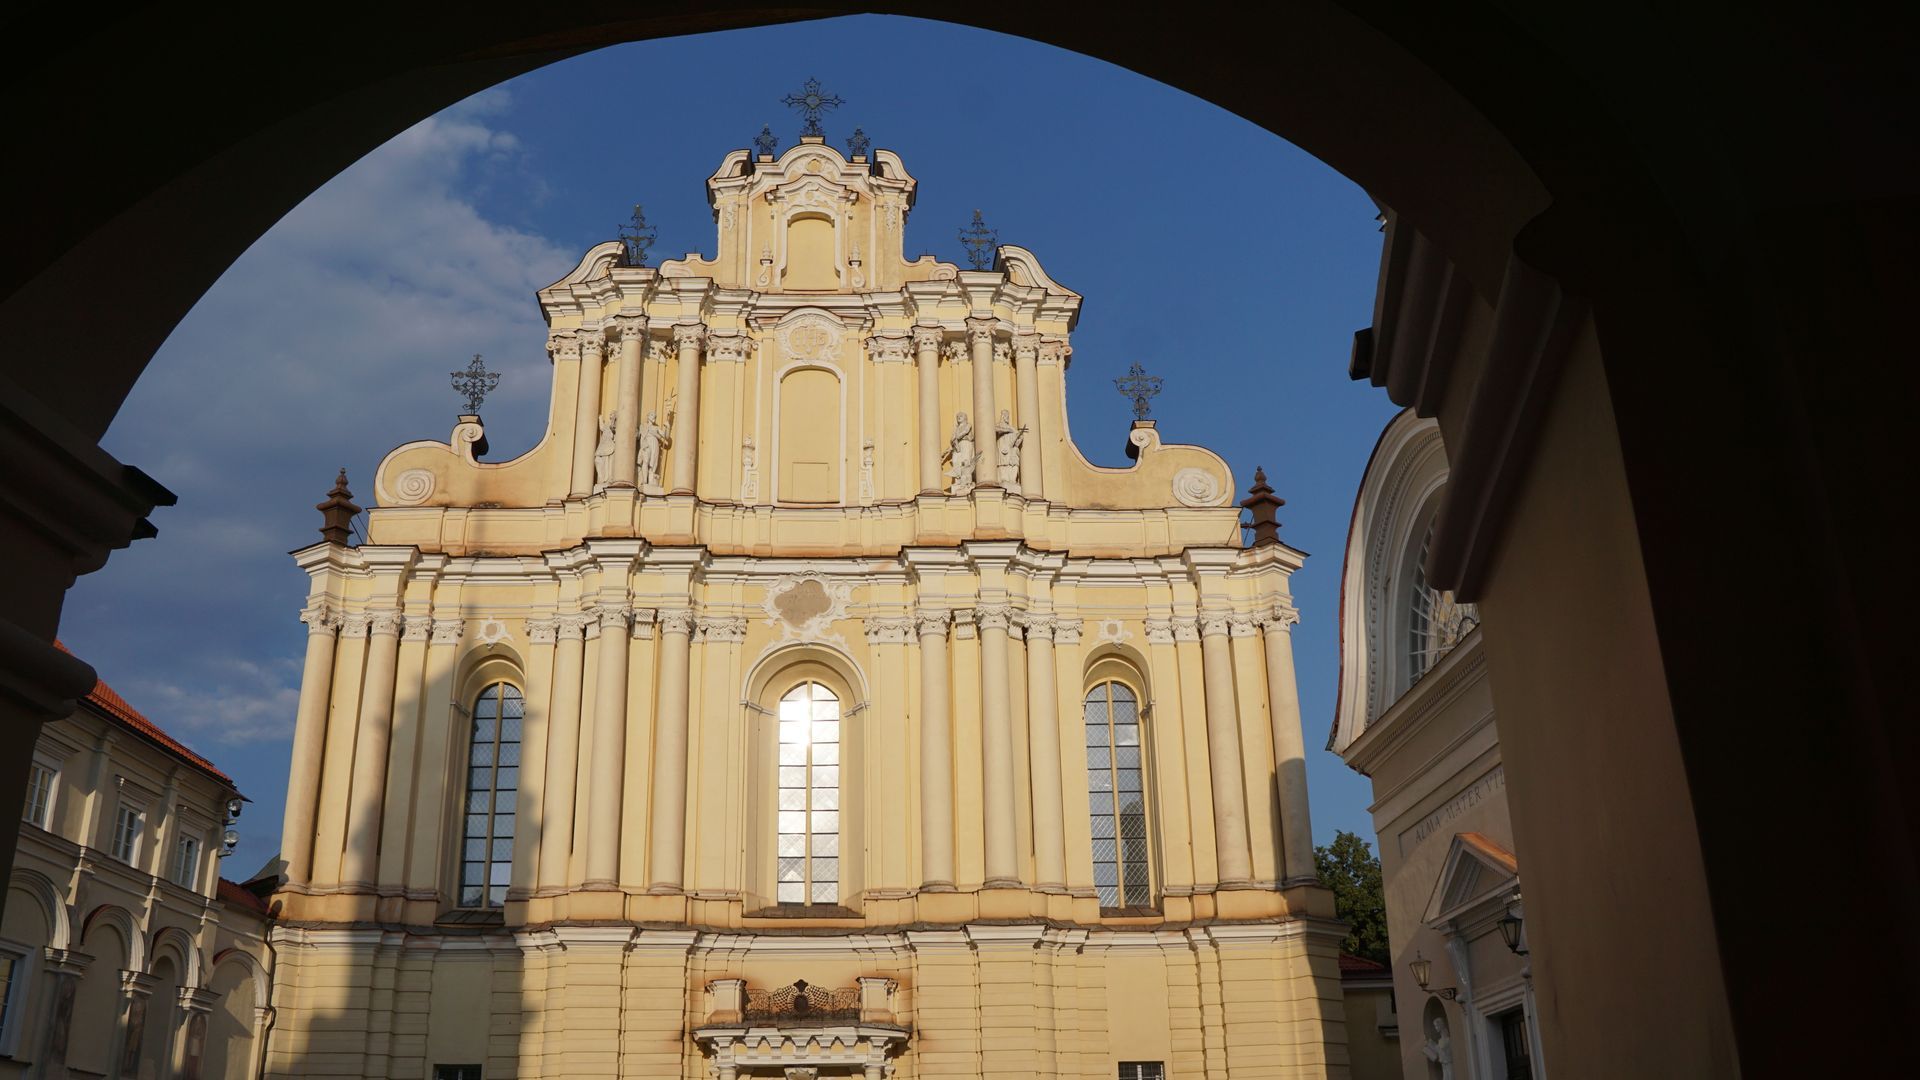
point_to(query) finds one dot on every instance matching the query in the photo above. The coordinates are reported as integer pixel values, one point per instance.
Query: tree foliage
(1349, 867)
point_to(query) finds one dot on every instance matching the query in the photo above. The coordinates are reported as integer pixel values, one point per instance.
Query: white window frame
(191, 869)
(13, 1009)
(51, 766)
(139, 811)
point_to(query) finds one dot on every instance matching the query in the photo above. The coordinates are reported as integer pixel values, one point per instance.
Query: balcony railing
(802, 1002)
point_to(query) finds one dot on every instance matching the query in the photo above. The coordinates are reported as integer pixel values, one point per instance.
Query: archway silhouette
(1731, 225)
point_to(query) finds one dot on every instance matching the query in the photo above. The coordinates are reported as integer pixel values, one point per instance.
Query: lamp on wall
(1422, 969)
(1510, 926)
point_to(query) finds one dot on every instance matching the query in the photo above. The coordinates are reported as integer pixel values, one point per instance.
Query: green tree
(1349, 867)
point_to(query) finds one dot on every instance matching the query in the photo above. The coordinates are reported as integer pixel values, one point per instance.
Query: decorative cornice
(689, 335)
(889, 630)
(543, 631)
(677, 621)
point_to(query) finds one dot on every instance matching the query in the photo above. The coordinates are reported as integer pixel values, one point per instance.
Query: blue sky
(331, 340)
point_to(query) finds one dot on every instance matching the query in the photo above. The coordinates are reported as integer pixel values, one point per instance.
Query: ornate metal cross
(810, 102)
(857, 143)
(1139, 386)
(475, 383)
(980, 242)
(638, 236)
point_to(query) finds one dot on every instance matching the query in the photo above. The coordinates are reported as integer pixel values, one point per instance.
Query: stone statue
(653, 436)
(603, 455)
(1439, 1049)
(866, 472)
(1008, 440)
(960, 456)
(749, 482)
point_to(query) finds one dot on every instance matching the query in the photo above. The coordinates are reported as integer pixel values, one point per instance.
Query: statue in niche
(603, 455)
(1007, 441)
(960, 456)
(653, 436)
(749, 483)
(866, 472)
(1439, 1049)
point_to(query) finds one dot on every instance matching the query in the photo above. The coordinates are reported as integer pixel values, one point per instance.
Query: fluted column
(986, 463)
(1026, 385)
(688, 338)
(1043, 750)
(1234, 851)
(309, 742)
(936, 752)
(357, 867)
(563, 752)
(996, 749)
(926, 345)
(586, 421)
(667, 849)
(632, 333)
(609, 748)
(1289, 749)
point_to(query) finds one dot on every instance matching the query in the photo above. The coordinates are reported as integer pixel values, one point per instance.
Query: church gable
(1476, 870)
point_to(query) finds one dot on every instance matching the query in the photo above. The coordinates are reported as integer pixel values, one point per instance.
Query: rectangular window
(39, 795)
(126, 834)
(186, 862)
(456, 1072)
(1143, 1070)
(14, 969)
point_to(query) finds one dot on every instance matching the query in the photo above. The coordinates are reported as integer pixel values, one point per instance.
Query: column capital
(1280, 617)
(927, 337)
(720, 628)
(543, 631)
(416, 627)
(689, 335)
(932, 621)
(384, 623)
(354, 624)
(1067, 631)
(1054, 350)
(573, 626)
(321, 618)
(888, 630)
(1002, 352)
(955, 351)
(593, 345)
(980, 328)
(1037, 627)
(1214, 624)
(630, 328)
(677, 621)
(563, 345)
(1242, 625)
(643, 623)
(728, 348)
(889, 348)
(137, 983)
(612, 618)
(1159, 631)
(1026, 347)
(447, 631)
(194, 999)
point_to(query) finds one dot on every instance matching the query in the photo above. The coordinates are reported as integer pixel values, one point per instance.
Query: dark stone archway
(1735, 201)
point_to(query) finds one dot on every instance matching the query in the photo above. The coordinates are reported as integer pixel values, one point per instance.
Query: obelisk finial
(337, 512)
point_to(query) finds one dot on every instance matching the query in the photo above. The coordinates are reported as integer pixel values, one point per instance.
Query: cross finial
(638, 236)
(765, 143)
(857, 143)
(810, 102)
(475, 383)
(980, 242)
(1139, 386)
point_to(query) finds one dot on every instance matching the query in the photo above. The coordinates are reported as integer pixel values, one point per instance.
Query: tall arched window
(1435, 621)
(808, 871)
(1116, 796)
(493, 781)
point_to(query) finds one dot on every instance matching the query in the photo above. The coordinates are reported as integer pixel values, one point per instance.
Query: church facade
(804, 703)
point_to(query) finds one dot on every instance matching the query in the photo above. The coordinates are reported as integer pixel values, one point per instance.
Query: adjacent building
(123, 952)
(1415, 714)
(804, 703)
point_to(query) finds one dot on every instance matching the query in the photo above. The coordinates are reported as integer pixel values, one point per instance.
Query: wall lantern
(1422, 969)
(1510, 933)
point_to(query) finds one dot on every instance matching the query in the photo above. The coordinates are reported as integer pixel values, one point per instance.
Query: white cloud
(237, 701)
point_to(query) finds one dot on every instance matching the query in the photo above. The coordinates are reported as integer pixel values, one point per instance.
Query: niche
(812, 263)
(809, 437)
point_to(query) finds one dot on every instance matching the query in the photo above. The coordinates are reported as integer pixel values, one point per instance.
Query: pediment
(1476, 871)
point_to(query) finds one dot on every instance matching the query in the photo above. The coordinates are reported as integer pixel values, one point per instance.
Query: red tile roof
(1360, 965)
(239, 895)
(108, 703)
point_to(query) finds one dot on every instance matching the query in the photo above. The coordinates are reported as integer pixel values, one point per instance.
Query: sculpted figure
(1439, 1049)
(653, 436)
(603, 455)
(1008, 440)
(960, 456)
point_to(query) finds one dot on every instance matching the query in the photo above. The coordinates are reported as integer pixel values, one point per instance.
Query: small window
(1436, 622)
(456, 1072)
(1143, 1070)
(186, 862)
(493, 783)
(1116, 796)
(39, 795)
(14, 970)
(808, 840)
(126, 833)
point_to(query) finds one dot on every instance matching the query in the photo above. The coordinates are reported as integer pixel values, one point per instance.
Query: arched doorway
(1761, 291)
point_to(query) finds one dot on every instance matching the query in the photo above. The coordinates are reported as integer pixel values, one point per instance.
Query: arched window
(493, 780)
(808, 850)
(1435, 622)
(1116, 796)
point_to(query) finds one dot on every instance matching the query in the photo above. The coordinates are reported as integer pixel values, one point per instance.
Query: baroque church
(804, 703)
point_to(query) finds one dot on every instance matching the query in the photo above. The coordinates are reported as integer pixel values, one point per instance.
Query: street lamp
(1422, 969)
(1510, 933)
